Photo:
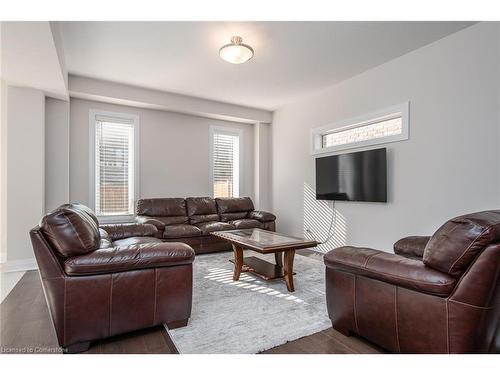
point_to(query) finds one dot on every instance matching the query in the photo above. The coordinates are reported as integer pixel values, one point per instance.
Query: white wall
(174, 151)
(57, 153)
(3, 171)
(30, 69)
(25, 168)
(449, 166)
(262, 166)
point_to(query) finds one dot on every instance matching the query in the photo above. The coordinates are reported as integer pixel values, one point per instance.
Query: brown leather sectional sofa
(438, 294)
(191, 220)
(108, 280)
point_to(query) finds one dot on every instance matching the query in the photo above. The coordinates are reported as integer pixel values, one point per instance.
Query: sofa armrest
(105, 239)
(390, 268)
(119, 231)
(160, 225)
(411, 247)
(261, 216)
(134, 257)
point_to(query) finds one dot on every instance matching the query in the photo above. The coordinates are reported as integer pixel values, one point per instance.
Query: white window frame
(402, 109)
(134, 119)
(231, 131)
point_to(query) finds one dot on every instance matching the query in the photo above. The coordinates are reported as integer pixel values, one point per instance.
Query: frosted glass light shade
(236, 52)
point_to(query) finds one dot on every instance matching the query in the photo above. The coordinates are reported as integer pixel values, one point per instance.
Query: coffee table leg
(238, 262)
(289, 255)
(278, 257)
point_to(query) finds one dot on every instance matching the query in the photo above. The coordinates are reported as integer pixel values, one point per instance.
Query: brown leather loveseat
(101, 282)
(438, 294)
(191, 220)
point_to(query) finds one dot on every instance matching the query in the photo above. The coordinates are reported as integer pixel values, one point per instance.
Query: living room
(278, 186)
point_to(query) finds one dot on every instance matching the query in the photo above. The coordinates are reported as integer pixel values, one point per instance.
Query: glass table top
(261, 238)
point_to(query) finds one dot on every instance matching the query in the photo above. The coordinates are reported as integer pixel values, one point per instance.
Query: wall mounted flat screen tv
(357, 176)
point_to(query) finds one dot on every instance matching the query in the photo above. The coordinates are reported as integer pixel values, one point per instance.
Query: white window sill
(118, 219)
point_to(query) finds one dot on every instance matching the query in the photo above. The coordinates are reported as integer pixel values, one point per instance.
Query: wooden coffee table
(264, 242)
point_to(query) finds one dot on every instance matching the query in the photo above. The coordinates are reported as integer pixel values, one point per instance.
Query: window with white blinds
(225, 163)
(114, 166)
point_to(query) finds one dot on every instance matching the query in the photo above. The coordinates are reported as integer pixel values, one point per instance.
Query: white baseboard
(19, 265)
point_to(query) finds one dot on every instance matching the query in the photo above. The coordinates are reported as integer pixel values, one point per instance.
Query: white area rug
(251, 315)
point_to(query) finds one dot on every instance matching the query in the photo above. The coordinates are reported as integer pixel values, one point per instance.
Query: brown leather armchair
(101, 282)
(438, 294)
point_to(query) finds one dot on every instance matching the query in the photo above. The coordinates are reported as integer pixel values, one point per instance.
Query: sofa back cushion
(201, 210)
(71, 229)
(234, 208)
(168, 210)
(459, 241)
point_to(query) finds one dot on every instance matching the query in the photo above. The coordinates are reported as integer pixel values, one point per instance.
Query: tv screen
(357, 176)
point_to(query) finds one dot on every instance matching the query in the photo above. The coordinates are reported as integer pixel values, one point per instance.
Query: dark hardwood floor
(26, 328)
(328, 341)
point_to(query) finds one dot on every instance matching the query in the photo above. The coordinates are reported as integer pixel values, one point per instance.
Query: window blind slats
(114, 167)
(225, 164)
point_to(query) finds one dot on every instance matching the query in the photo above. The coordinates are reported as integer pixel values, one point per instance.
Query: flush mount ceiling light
(236, 52)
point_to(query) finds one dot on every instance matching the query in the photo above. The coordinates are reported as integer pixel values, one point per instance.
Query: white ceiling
(291, 58)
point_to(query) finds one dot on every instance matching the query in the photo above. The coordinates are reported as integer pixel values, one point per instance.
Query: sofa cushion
(213, 226)
(135, 241)
(196, 219)
(71, 229)
(140, 256)
(245, 223)
(181, 231)
(457, 243)
(234, 208)
(150, 220)
(162, 207)
(201, 210)
(125, 230)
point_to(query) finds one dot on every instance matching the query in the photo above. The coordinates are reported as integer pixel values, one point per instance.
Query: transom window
(225, 162)
(381, 127)
(114, 164)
